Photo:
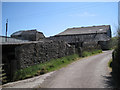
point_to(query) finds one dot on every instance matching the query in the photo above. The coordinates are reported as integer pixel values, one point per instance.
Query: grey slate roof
(85, 30)
(13, 41)
(10, 40)
(25, 31)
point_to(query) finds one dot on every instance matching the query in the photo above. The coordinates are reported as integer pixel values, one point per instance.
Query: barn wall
(8, 60)
(105, 45)
(84, 40)
(39, 36)
(76, 38)
(109, 33)
(87, 46)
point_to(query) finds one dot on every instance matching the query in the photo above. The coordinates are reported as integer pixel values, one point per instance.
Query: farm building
(18, 54)
(8, 45)
(86, 36)
(27, 48)
(31, 35)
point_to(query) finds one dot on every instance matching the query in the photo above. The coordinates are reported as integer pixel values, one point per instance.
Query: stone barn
(18, 54)
(86, 36)
(31, 35)
(8, 61)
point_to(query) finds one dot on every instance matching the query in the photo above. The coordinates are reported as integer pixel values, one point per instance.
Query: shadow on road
(109, 82)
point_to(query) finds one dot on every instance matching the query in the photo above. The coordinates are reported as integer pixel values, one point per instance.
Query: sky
(52, 18)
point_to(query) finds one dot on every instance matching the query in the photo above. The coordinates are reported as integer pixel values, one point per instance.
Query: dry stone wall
(34, 53)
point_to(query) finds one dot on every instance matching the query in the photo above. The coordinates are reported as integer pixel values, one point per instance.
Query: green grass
(110, 63)
(51, 65)
(89, 53)
(43, 68)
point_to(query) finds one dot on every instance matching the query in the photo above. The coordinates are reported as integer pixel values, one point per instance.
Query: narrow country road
(90, 72)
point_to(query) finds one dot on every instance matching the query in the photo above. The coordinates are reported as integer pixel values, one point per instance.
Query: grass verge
(89, 53)
(51, 65)
(43, 68)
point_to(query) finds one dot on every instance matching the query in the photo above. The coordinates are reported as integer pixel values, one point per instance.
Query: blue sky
(54, 17)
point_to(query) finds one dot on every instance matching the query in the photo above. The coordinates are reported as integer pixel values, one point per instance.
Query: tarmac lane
(89, 72)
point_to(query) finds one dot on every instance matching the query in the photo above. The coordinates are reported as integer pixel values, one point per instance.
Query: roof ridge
(85, 30)
(87, 27)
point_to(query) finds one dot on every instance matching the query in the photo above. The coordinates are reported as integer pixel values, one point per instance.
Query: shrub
(116, 63)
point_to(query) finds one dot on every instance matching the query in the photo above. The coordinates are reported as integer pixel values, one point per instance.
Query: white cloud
(84, 14)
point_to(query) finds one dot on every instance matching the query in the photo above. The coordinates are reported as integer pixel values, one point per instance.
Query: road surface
(90, 72)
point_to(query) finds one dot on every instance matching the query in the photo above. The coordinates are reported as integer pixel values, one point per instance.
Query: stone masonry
(35, 53)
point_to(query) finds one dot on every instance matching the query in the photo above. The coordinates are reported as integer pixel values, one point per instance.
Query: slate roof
(11, 40)
(85, 30)
(25, 32)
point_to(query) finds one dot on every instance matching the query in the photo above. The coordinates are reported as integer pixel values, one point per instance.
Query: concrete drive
(90, 72)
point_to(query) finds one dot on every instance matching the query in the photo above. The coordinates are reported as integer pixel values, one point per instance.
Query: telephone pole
(6, 28)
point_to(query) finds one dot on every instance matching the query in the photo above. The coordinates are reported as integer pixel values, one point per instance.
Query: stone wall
(34, 53)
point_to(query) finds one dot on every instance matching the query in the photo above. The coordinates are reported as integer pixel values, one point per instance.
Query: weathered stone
(30, 54)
